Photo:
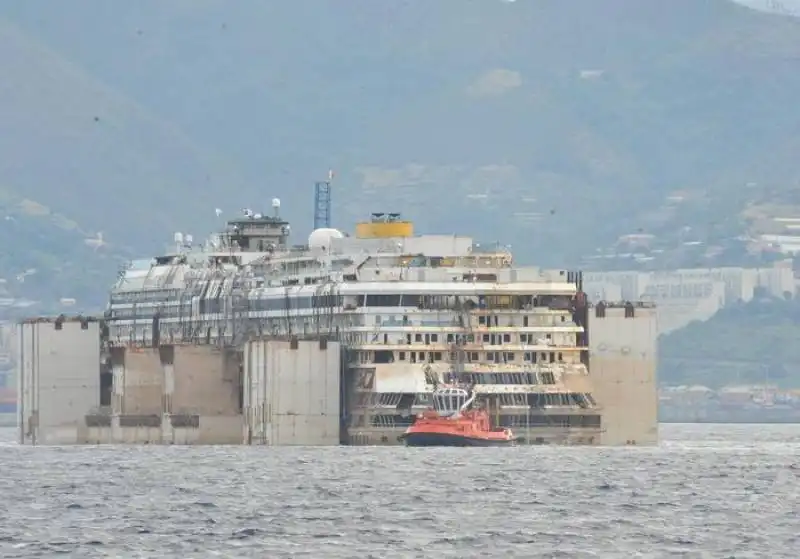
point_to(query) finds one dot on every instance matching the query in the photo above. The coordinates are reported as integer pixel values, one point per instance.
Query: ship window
(474, 356)
(437, 355)
(434, 338)
(509, 356)
(383, 300)
(383, 356)
(524, 320)
(418, 338)
(411, 300)
(486, 338)
(482, 320)
(560, 357)
(552, 357)
(401, 355)
(421, 356)
(506, 338)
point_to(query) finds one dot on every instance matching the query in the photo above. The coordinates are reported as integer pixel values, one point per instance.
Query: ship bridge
(257, 233)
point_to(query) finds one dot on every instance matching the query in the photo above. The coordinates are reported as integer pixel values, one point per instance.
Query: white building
(689, 294)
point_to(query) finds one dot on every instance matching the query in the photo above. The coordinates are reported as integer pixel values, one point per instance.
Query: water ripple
(707, 491)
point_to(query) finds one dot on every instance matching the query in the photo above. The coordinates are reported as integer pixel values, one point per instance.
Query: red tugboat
(452, 423)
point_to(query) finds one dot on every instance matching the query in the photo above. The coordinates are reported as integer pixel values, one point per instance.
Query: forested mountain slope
(552, 126)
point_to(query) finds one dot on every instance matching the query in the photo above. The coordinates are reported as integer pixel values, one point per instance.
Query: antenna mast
(322, 203)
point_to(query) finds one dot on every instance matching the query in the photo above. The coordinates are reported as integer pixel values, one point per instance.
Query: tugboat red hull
(471, 428)
(451, 423)
(449, 439)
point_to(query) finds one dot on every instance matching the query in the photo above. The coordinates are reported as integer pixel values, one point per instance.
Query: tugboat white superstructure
(411, 311)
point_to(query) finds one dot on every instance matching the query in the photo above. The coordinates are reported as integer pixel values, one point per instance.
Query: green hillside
(78, 158)
(48, 257)
(552, 126)
(748, 343)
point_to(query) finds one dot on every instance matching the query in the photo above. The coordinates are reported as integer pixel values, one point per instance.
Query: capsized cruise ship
(411, 312)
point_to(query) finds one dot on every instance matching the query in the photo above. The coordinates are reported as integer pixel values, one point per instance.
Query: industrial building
(622, 367)
(685, 295)
(77, 388)
(73, 389)
(250, 339)
(58, 379)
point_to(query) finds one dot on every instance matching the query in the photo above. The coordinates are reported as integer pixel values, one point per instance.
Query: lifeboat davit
(450, 423)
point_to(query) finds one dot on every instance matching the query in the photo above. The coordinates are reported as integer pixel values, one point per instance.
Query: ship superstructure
(411, 311)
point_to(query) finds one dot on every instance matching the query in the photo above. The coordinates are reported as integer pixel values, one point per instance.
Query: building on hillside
(689, 294)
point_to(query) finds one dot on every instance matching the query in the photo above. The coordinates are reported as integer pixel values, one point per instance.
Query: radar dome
(321, 238)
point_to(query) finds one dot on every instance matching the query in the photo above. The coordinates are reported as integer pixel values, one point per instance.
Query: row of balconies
(562, 356)
(471, 347)
(542, 402)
